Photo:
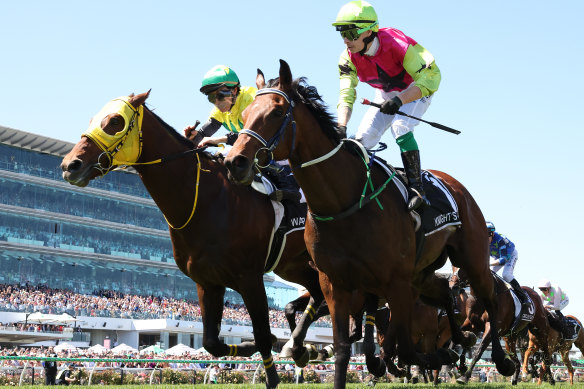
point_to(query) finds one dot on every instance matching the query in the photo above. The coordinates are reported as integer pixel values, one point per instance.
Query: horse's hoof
(462, 380)
(471, 338)
(272, 379)
(312, 352)
(287, 349)
(376, 366)
(302, 361)
(506, 367)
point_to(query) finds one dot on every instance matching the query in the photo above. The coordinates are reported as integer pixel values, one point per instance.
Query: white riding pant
(374, 123)
(508, 267)
(561, 305)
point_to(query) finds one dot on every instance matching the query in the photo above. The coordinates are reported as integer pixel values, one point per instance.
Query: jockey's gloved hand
(391, 106)
(342, 131)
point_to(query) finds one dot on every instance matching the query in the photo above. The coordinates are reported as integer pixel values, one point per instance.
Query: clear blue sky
(511, 82)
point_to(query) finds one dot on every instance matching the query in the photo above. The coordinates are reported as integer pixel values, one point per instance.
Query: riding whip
(436, 125)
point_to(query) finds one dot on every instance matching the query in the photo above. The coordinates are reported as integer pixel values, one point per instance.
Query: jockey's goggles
(219, 95)
(351, 32)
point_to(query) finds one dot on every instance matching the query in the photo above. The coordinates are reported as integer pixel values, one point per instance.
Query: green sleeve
(419, 64)
(349, 81)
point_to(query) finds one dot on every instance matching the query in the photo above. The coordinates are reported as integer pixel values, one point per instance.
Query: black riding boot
(282, 178)
(562, 324)
(411, 160)
(523, 298)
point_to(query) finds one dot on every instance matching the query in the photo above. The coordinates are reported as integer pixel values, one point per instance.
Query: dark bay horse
(373, 249)
(555, 344)
(477, 321)
(220, 231)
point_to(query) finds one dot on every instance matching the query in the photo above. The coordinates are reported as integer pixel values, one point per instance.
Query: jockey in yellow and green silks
(223, 90)
(404, 76)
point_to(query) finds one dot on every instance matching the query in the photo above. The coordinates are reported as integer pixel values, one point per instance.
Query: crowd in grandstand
(107, 303)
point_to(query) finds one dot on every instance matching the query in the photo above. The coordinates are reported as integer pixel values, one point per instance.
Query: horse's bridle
(110, 151)
(273, 142)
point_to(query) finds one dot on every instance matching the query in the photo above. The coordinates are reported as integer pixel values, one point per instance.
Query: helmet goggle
(351, 32)
(219, 95)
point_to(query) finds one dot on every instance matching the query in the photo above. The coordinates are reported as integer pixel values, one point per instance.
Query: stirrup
(416, 200)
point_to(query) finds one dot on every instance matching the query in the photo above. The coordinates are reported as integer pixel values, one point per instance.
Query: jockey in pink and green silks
(404, 76)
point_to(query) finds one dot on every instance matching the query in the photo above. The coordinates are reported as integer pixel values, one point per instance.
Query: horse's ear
(140, 99)
(285, 75)
(260, 80)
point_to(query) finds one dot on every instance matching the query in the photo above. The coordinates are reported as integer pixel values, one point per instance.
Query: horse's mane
(178, 137)
(309, 96)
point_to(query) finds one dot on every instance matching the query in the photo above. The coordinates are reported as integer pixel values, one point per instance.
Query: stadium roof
(27, 140)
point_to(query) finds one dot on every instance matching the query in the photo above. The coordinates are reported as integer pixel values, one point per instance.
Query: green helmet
(357, 14)
(217, 77)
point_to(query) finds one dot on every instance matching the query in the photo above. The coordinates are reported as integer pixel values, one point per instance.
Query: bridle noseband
(273, 142)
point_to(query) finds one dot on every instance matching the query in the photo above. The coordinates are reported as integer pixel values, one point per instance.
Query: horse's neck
(173, 184)
(332, 185)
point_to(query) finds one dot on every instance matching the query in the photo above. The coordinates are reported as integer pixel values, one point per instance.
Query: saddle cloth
(574, 327)
(288, 217)
(443, 210)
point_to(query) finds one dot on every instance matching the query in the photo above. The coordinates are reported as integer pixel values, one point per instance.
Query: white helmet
(544, 283)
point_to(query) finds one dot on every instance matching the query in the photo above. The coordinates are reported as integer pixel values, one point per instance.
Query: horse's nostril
(240, 162)
(73, 165)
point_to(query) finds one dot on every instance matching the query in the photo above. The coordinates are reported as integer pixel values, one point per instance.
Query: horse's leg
(531, 347)
(338, 301)
(375, 365)
(463, 379)
(256, 301)
(566, 359)
(435, 291)
(401, 299)
(299, 352)
(294, 306)
(290, 312)
(483, 287)
(511, 347)
(211, 302)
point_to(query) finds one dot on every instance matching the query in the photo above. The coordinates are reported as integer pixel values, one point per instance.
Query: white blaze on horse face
(130, 150)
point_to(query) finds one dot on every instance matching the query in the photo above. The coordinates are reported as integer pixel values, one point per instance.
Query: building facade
(107, 236)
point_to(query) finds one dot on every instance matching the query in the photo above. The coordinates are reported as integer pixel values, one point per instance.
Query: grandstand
(109, 236)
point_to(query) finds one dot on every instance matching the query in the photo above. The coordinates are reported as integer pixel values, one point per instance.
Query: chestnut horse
(358, 244)
(477, 321)
(209, 219)
(555, 344)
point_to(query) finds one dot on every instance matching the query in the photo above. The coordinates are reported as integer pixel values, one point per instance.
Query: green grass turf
(521, 385)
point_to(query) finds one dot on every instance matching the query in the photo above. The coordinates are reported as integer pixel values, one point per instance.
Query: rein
(196, 195)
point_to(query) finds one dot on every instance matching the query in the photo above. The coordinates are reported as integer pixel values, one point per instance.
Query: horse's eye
(115, 121)
(278, 113)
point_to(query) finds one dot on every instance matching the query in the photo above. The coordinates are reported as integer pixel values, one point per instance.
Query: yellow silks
(124, 146)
